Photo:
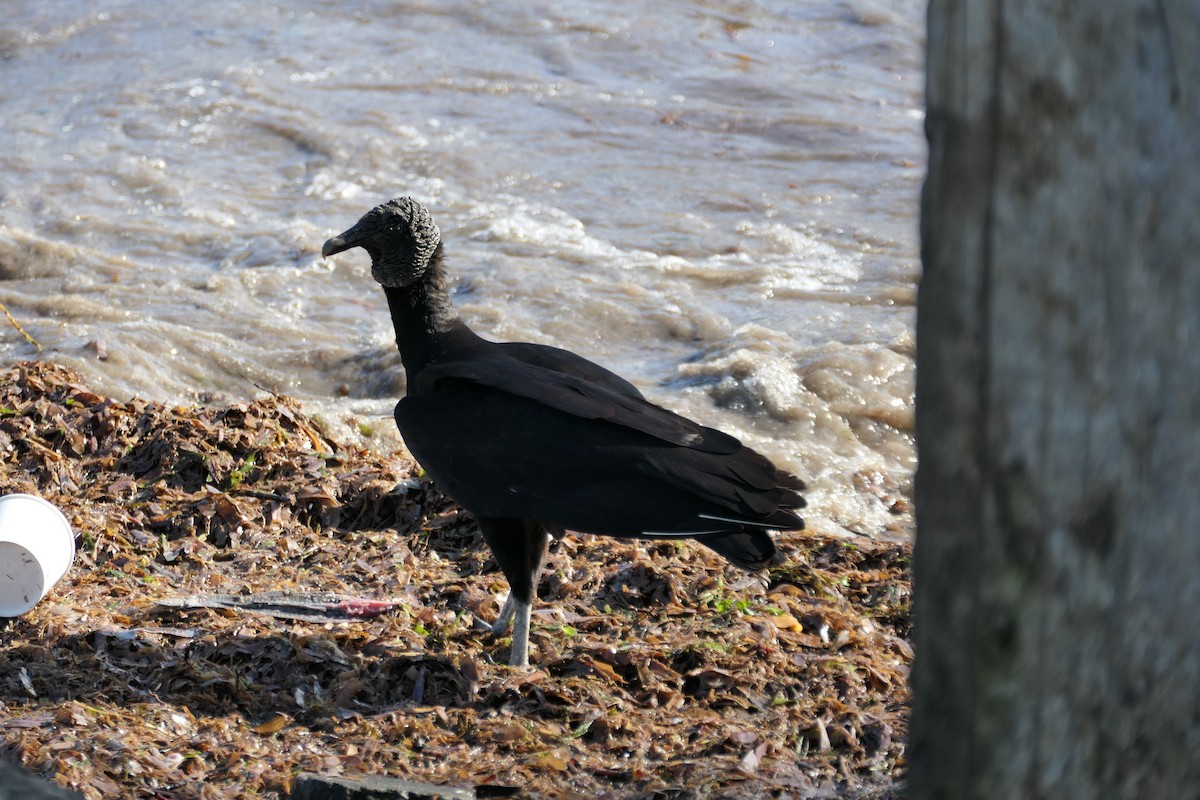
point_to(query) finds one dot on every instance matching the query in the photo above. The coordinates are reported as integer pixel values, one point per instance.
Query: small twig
(20, 330)
(259, 386)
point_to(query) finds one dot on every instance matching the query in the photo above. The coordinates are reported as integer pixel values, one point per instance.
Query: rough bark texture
(1057, 569)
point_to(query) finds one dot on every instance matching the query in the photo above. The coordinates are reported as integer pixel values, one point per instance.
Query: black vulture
(535, 441)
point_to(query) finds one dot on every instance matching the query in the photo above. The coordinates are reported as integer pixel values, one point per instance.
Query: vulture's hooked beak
(343, 241)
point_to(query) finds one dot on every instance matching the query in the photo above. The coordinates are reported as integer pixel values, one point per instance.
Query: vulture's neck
(427, 326)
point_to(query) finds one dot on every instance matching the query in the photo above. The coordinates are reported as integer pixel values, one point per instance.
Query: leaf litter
(252, 599)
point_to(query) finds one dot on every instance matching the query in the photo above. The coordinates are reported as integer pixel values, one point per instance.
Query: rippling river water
(715, 199)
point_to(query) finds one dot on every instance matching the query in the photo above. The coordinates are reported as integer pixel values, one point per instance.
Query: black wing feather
(581, 398)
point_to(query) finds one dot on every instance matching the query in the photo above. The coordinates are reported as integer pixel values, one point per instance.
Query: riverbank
(252, 599)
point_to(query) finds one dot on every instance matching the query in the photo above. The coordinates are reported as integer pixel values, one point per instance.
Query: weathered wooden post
(1058, 404)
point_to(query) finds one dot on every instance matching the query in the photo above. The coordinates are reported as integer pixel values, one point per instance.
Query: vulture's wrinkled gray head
(400, 237)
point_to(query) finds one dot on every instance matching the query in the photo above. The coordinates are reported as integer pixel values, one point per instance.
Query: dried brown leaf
(273, 724)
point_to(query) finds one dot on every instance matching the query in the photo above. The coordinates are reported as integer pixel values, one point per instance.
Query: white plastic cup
(36, 550)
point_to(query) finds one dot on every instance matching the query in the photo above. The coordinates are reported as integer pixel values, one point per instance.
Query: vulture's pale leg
(519, 546)
(506, 616)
